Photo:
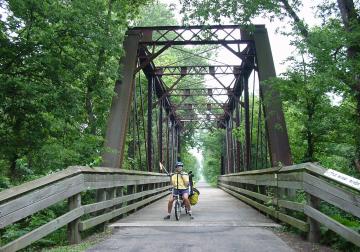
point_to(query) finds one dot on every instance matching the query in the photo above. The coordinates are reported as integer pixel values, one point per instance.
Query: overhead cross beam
(145, 44)
(200, 92)
(191, 35)
(197, 70)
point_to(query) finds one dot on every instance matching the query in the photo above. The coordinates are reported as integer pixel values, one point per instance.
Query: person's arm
(171, 180)
(185, 178)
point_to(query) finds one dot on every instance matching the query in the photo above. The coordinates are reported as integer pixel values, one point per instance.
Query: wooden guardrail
(265, 190)
(111, 185)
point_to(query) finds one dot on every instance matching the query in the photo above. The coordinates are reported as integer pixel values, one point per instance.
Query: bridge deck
(221, 223)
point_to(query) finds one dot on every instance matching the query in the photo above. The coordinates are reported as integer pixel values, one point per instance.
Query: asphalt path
(221, 223)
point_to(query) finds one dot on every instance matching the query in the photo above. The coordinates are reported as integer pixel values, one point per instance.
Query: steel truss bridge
(256, 165)
(227, 105)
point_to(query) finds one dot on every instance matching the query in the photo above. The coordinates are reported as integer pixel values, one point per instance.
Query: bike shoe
(167, 217)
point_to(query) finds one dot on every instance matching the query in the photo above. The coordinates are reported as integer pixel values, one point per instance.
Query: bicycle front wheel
(177, 210)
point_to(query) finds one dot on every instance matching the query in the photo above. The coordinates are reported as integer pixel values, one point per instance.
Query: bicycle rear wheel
(177, 210)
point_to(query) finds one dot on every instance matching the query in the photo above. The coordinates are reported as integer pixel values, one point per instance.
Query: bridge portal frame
(256, 56)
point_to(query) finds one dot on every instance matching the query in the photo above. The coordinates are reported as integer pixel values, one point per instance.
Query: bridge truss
(176, 105)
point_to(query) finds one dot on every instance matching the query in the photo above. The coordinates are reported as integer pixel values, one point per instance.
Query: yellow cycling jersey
(180, 181)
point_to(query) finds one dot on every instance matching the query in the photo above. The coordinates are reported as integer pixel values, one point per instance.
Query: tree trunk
(93, 81)
(351, 20)
(299, 24)
(13, 174)
(309, 156)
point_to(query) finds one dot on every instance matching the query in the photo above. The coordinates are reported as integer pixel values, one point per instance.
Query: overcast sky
(281, 48)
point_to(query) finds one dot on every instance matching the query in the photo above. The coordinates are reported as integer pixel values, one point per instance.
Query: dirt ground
(299, 244)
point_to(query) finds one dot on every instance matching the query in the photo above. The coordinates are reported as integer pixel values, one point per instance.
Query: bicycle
(179, 203)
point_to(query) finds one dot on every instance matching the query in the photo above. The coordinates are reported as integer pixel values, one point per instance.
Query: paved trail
(221, 223)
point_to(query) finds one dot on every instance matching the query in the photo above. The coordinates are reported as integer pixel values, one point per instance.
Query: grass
(84, 245)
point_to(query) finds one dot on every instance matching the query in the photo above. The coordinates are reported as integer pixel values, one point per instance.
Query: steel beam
(160, 138)
(149, 125)
(238, 144)
(200, 92)
(275, 122)
(197, 70)
(191, 35)
(247, 126)
(229, 147)
(121, 104)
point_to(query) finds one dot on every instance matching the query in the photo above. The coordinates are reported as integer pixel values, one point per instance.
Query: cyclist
(180, 183)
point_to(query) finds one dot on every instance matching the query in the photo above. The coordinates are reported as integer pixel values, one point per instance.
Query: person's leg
(170, 203)
(187, 201)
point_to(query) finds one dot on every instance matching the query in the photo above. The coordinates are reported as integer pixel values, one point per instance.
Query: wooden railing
(118, 192)
(273, 192)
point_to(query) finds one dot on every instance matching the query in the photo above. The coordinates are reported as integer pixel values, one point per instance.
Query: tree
(340, 18)
(59, 60)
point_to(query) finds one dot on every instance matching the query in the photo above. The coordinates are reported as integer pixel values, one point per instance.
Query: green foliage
(211, 144)
(59, 63)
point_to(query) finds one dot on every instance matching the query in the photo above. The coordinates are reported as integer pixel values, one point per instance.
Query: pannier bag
(194, 198)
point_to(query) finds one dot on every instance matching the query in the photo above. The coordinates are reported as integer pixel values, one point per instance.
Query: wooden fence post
(101, 196)
(314, 226)
(74, 236)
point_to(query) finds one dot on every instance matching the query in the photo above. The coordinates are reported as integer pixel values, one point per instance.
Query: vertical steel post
(238, 144)
(121, 104)
(222, 168)
(178, 143)
(175, 144)
(229, 147)
(171, 146)
(149, 124)
(160, 144)
(167, 144)
(275, 122)
(247, 125)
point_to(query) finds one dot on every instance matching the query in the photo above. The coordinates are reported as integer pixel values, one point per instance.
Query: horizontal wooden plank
(290, 176)
(260, 171)
(108, 184)
(291, 205)
(37, 195)
(247, 192)
(345, 232)
(250, 180)
(347, 201)
(16, 191)
(40, 199)
(90, 177)
(317, 169)
(290, 184)
(294, 168)
(281, 203)
(38, 183)
(84, 225)
(251, 202)
(283, 217)
(299, 224)
(122, 171)
(118, 200)
(42, 231)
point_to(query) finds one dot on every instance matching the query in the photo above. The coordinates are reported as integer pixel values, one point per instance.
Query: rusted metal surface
(121, 105)
(149, 125)
(176, 104)
(197, 70)
(275, 121)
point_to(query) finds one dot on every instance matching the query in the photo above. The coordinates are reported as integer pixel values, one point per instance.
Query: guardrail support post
(74, 236)
(314, 226)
